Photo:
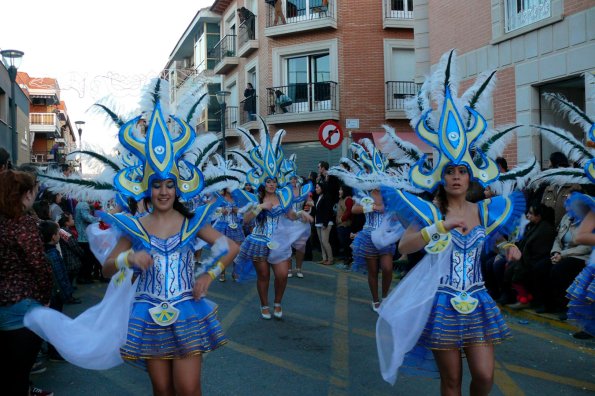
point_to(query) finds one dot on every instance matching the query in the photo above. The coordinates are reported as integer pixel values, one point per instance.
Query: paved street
(325, 346)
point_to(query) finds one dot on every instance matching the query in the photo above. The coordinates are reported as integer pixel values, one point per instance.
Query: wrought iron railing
(245, 115)
(398, 91)
(302, 98)
(231, 118)
(398, 9)
(283, 12)
(226, 47)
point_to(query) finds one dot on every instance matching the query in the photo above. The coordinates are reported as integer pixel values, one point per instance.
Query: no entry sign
(330, 134)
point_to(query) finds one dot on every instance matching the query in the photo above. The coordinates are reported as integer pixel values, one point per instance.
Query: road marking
(340, 340)
(255, 353)
(550, 377)
(505, 383)
(548, 337)
(311, 290)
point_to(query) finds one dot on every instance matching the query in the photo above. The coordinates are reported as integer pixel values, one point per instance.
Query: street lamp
(79, 127)
(221, 95)
(12, 61)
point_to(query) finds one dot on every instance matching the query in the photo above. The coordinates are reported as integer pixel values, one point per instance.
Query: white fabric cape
(93, 339)
(404, 313)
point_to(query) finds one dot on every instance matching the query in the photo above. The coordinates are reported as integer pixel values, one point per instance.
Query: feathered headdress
(264, 160)
(581, 154)
(455, 132)
(169, 149)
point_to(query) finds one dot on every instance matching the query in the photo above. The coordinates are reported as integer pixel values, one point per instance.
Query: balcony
(397, 14)
(231, 122)
(45, 123)
(247, 42)
(44, 157)
(293, 16)
(309, 102)
(396, 94)
(249, 121)
(225, 54)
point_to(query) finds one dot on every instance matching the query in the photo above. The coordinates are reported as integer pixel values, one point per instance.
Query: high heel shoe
(375, 306)
(278, 314)
(265, 315)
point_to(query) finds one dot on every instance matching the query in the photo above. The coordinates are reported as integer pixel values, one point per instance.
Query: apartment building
(537, 46)
(348, 61)
(51, 136)
(22, 117)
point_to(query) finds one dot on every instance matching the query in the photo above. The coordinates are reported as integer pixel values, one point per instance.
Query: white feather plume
(566, 142)
(568, 109)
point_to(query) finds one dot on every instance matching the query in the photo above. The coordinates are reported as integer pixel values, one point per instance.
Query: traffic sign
(330, 134)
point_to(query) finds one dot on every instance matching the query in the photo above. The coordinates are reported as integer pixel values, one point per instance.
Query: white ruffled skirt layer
(93, 339)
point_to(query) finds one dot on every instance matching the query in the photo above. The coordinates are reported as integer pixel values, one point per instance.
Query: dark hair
(48, 229)
(50, 196)
(442, 199)
(313, 175)
(4, 158)
(502, 162)
(323, 187)
(545, 212)
(323, 164)
(558, 160)
(250, 84)
(11, 199)
(347, 191)
(42, 209)
(64, 219)
(132, 205)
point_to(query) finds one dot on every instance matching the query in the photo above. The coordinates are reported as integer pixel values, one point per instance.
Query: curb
(550, 319)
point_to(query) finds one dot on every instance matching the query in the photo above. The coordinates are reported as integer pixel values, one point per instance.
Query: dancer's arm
(413, 239)
(124, 255)
(584, 234)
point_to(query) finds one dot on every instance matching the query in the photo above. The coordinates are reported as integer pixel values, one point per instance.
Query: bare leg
(187, 373)
(481, 359)
(372, 264)
(386, 265)
(299, 259)
(280, 270)
(160, 372)
(451, 371)
(263, 274)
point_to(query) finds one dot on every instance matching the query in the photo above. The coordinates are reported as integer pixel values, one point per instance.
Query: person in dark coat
(323, 221)
(250, 101)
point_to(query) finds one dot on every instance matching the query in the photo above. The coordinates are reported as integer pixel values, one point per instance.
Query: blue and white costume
(229, 224)
(149, 314)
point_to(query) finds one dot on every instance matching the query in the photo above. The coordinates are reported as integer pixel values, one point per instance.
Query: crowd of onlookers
(49, 235)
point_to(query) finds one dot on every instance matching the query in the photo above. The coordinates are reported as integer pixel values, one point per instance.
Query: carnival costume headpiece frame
(454, 137)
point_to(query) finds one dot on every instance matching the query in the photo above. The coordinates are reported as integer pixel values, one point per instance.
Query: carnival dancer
(229, 223)
(154, 314)
(302, 200)
(269, 245)
(581, 293)
(442, 304)
(368, 170)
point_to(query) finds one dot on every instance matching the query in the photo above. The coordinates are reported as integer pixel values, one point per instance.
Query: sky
(96, 49)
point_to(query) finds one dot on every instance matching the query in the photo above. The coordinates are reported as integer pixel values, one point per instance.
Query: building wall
(560, 48)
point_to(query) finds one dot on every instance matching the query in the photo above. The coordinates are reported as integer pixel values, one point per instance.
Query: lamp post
(79, 127)
(12, 61)
(221, 95)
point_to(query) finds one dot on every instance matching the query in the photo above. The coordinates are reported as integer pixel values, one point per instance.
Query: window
(303, 10)
(307, 78)
(3, 106)
(520, 13)
(401, 9)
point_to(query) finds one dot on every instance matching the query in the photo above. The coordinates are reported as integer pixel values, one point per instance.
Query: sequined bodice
(267, 222)
(373, 220)
(465, 263)
(170, 278)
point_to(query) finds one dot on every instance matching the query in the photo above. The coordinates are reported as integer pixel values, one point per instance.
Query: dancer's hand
(201, 286)
(513, 253)
(141, 259)
(454, 222)
(266, 205)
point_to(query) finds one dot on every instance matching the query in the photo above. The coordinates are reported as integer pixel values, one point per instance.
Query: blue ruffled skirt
(581, 295)
(195, 332)
(363, 246)
(446, 328)
(235, 234)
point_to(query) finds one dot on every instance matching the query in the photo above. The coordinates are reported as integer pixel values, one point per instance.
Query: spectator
(55, 200)
(4, 160)
(71, 250)
(82, 219)
(250, 101)
(502, 164)
(323, 221)
(25, 279)
(282, 100)
(535, 246)
(344, 223)
(567, 260)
